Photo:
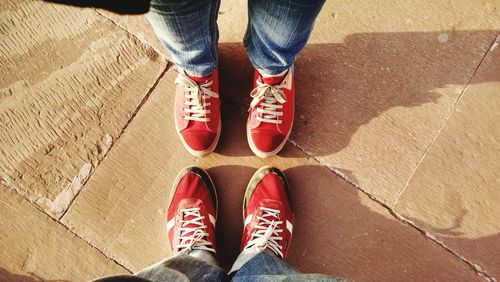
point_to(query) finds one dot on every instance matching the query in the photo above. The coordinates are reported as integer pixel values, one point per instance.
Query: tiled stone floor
(394, 161)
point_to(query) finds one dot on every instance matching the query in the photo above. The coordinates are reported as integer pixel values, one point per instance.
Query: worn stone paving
(394, 161)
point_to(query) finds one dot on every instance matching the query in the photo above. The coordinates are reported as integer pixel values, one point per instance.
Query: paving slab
(455, 191)
(232, 19)
(378, 80)
(70, 82)
(33, 247)
(339, 230)
(389, 72)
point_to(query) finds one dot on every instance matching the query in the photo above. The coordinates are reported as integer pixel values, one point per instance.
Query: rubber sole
(262, 154)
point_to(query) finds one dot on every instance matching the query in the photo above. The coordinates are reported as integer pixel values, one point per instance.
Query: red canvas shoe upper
(271, 113)
(267, 213)
(197, 112)
(192, 212)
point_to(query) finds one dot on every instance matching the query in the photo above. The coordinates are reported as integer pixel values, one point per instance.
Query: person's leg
(191, 218)
(188, 29)
(277, 31)
(268, 217)
(267, 234)
(184, 267)
(266, 266)
(181, 267)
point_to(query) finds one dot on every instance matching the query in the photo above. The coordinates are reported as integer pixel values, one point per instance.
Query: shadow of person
(338, 230)
(135, 7)
(343, 86)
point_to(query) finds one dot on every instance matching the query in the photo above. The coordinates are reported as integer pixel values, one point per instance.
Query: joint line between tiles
(397, 216)
(134, 113)
(424, 154)
(130, 33)
(54, 220)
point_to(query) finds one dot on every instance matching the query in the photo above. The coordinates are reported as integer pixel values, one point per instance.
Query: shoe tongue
(273, 80)
(199, 79)
(190, 225)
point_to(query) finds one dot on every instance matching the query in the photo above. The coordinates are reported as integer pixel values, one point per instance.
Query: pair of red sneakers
(270, 119)
(267, 213)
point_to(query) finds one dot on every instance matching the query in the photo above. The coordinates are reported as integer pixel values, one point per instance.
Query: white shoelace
(196, 98)
(269, 96)
(193, 238)
(267, 232)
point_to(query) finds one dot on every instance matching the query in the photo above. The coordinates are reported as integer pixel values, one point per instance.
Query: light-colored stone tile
(378, 80)
(455, 191)
(139, 26)
(33, 247)
(390, 74)
(340, 19)
(232, 22)
(339, 230)
(70, 82)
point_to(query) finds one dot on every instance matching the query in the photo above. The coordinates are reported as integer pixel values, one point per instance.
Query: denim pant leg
(183, 268)
(278, 30)
(188, 29)
(267, 267)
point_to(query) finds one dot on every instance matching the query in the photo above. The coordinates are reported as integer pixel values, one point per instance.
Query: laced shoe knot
(193, 235)
(197, 96)
(268, 100)
(267, 233)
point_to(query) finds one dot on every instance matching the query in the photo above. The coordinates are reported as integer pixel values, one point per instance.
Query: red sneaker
(267, 213)
(192, 212)
(271, 113)
(197, 112)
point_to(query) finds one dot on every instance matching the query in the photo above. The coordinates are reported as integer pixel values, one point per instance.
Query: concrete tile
(144, 165)
(340, 19)
(232, 21)
(387, 95)
(382, 112)
(454, 192)
(378, 80)
(70, 82)
(338, 231)
(34, 247)
(139, 26)
(390, 73)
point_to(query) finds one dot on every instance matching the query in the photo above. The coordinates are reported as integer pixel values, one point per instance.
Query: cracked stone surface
(65, 95)
(393, 161)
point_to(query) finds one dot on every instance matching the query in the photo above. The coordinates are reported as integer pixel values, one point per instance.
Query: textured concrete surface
(455, 191)
(393, 161)
(34, 247)
(66, 94)
(142, 160)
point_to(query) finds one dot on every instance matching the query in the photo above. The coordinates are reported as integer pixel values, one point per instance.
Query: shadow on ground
(339, 231)
(135, 7)
(341, 87)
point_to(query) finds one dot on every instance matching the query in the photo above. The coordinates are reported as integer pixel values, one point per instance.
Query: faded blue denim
(262, 267)
(277, 31)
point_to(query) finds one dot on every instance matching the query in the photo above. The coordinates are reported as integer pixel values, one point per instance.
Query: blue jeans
(277, 31)
(262, 267)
